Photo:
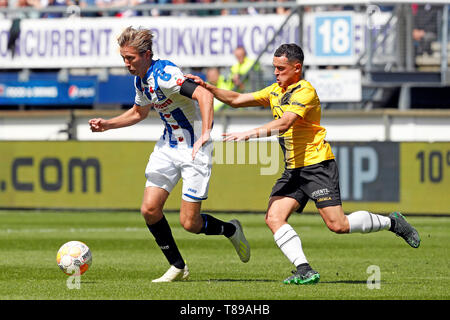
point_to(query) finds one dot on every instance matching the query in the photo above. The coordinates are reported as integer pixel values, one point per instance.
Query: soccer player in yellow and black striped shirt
(310, 170)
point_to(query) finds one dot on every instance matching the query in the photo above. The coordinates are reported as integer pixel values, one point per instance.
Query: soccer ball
(74, 258)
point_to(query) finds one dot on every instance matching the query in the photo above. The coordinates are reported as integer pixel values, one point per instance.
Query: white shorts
(167, 165)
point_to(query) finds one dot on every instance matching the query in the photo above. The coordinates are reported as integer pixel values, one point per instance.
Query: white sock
(290, 244)
(365, 222)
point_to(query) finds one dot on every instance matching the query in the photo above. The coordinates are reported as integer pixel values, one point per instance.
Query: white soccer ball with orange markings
(74, 258)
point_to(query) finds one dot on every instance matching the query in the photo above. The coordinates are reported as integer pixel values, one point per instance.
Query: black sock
(213, 226)
(304, 267)
(163, 236)
(392, 228)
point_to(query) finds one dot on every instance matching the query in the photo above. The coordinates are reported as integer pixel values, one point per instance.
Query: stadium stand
(395, 49)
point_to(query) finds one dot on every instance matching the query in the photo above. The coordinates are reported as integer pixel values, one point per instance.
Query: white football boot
(239, 242)
(174, 274)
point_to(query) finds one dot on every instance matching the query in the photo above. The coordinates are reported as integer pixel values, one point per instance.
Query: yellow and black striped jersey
(304, 143)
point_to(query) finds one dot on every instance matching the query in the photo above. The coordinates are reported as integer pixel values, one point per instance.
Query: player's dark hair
(291, 51)
(141, 39)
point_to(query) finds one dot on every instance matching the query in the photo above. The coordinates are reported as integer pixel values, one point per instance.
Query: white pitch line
(71, 230)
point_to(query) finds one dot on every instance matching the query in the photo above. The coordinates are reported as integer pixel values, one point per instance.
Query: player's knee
(191, 226)
(273, 221)
(269, 219)
(337, 227)
(150, 212)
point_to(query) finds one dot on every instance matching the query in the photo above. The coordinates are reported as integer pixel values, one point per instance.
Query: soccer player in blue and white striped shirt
(183, 151)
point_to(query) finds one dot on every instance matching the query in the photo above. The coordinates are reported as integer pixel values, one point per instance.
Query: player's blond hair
(141, 39)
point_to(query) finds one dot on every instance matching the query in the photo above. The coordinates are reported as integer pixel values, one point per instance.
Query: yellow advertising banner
(410, 177)
(110, 175)
(72, 174)
(425, 172)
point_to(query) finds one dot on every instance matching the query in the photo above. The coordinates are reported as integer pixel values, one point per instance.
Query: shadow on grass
(350, 281)
(267, 280)
(346, 281)
(235, 280)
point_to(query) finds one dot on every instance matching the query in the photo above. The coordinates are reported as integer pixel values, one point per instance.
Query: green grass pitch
(126, 258)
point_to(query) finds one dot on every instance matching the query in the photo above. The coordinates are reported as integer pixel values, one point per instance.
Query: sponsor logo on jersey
(160, 94)
(180, 81)
(160, 106)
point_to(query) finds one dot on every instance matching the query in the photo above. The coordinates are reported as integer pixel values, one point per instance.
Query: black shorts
(318, 182)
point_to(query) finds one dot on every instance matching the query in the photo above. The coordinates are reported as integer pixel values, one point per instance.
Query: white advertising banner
(190, 41)
(328, 38)
(336, 85)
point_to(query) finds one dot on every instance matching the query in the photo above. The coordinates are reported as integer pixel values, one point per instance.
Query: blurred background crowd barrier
(358, 54)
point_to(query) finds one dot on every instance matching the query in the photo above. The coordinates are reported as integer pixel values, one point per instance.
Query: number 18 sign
(332, 38)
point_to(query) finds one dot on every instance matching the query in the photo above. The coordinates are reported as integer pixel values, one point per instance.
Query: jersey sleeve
(139, 99)
(263, 96)
(170, 80)
(300, 101)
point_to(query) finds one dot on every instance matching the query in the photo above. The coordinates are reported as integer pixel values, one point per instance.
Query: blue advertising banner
(48, 92)
(84, 90)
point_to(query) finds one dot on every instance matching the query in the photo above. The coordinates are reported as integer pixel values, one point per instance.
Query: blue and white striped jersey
(161, 90)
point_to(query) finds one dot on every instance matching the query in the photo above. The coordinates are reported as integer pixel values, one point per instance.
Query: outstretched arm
(277, 126)
(231, 98)
(128, 118)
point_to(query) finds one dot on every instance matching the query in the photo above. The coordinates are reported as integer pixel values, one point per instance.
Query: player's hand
(196, 79)
(199, 144)
(236, 136)
(98, 125)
